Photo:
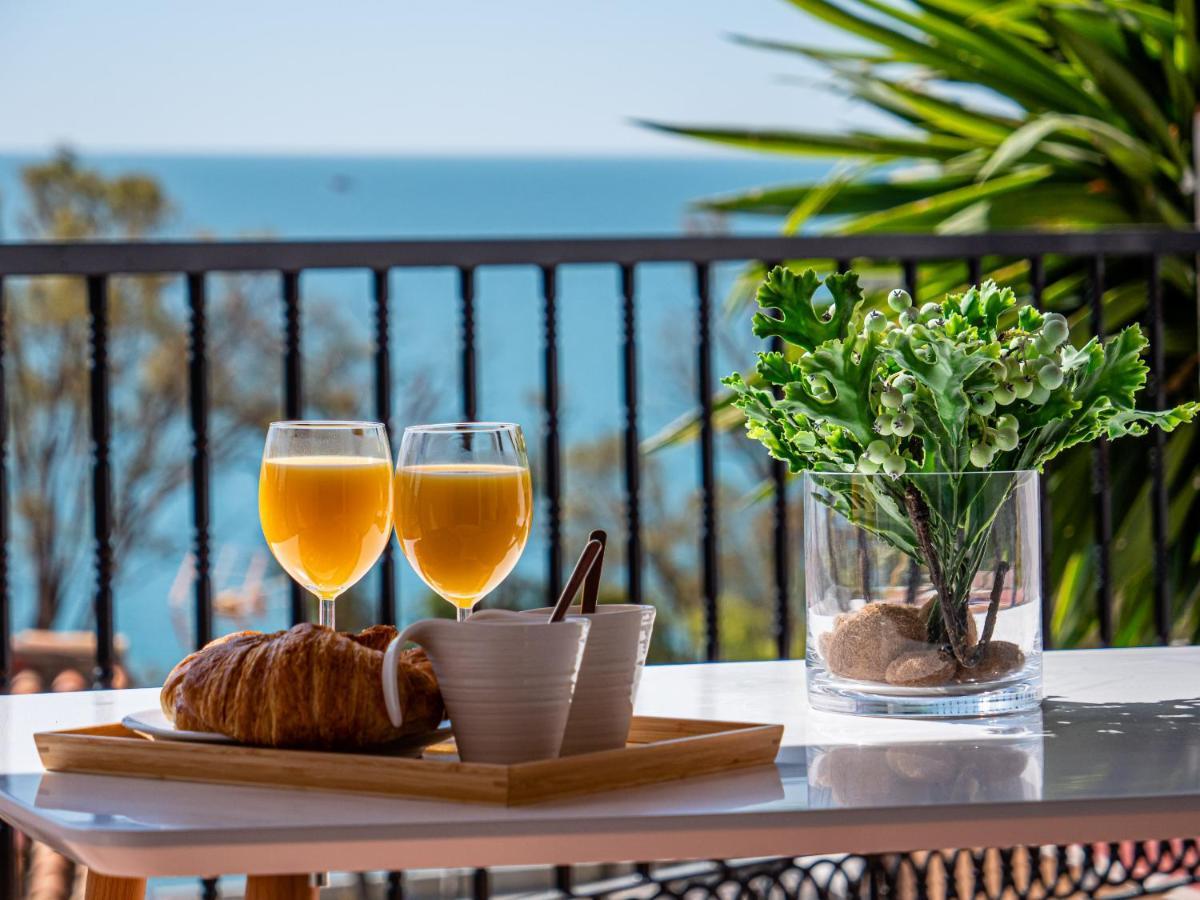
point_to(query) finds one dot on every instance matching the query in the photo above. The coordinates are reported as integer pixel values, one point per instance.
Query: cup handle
(391, 691)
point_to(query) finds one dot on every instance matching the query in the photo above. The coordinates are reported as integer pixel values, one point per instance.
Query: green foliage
(1100, 105)
(63, 198)
(997, 388)
(1030, 114)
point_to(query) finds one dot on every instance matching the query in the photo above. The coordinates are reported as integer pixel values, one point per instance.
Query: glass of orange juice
(464, 505)
(325, 503)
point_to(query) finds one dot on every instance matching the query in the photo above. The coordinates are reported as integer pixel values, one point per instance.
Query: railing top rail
(145, 257)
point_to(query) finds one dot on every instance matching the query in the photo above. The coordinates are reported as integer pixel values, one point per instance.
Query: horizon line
(423, 153)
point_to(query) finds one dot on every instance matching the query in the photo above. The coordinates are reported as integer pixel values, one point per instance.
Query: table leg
(107, 887)
(279, 887)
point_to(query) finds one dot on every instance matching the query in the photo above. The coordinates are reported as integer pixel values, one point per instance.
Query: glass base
(1020, 692)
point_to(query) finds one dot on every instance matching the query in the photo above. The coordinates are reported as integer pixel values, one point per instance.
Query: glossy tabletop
(1114, 754)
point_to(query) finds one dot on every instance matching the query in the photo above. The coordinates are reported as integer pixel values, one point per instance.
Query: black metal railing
(97, 262)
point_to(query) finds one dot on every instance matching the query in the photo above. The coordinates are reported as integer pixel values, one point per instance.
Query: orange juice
(463, 526)
(326, 518)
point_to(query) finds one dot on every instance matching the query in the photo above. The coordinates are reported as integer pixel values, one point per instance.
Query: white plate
(153, 723)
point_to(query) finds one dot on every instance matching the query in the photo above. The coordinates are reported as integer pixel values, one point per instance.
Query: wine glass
(464, 504)
(325, 503)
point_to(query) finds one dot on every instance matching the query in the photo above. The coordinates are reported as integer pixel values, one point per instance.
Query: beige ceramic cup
(507, 682)
(608, 678)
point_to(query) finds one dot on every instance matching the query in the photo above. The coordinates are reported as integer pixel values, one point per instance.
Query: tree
(49, 397)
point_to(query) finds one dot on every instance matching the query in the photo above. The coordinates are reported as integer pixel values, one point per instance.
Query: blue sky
(396, 76)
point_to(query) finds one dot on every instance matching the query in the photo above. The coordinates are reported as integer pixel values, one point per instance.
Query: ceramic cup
(608, 678)
(507, 682)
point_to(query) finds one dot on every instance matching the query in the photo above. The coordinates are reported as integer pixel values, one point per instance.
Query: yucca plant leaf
(898, 217)
(973, 13)
(811, 143)
(1126, 93)
(816, 54)
(855, 197)
(686, 428)
(1129, 14)
(1015, 17)
(996, 60)
(1054, 205)
(1186, 51)
(1182, 56)
(947, 60)
(1133, 157)
(933, 112)
(817, 200)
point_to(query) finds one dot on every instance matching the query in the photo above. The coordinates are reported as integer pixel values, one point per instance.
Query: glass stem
(325, 613)
(460, 613)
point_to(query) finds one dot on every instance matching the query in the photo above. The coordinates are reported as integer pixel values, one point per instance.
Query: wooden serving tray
(659, 749)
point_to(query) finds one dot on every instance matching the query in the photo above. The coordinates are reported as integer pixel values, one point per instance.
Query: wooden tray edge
(701, 747)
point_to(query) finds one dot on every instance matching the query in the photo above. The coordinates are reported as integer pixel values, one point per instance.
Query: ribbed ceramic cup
(507, 682)
(608, 678)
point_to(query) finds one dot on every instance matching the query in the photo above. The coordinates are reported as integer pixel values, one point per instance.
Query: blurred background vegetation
(65, 198)
(1026, 114)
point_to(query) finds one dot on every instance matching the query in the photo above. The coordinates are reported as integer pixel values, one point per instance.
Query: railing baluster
(781, 539)
(293, 398)
(10, 877)
(5, 599)
(708, 476)
(553, 461)
(97, 292)
(781, 544)
(481, 884)
(910, 278)
(1100, 477)
(198, 399)
(974, 270)
(466, 287)
(633, 461)
(386, 614)
(1158, 488)
(563, 880)
(914, 569)
(1037, 286)
(394, 889)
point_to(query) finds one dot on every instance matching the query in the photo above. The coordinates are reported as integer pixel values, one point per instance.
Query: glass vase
(923, 593)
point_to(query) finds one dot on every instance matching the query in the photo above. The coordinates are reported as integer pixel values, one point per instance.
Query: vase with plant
(921, 431)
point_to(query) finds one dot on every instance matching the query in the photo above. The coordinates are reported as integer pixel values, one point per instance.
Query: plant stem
(914, 580)
(956, 632)
(864, 563)
(989, 624)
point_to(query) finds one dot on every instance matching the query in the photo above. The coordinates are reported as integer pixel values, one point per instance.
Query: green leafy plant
(1084, 117)
(997, 387)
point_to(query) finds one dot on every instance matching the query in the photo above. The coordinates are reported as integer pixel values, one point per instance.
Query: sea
(461, 197)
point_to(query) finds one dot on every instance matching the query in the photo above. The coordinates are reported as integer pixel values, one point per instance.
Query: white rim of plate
(143, 723)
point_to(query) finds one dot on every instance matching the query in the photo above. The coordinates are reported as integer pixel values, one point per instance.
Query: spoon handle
(587, 559)
(591, 587)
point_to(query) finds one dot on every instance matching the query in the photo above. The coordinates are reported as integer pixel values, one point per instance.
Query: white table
(1114, 755)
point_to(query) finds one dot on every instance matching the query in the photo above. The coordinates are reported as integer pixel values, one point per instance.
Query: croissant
(307, 687)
